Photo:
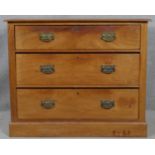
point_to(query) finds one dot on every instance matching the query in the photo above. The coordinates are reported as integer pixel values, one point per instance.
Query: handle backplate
(107, 104)
(108, 36)
(46, 37)
(48, 104)
(107, 69)
(47, 69)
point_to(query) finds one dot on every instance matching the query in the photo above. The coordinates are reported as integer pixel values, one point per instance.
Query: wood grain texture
(78, 37)
(142, 79)
(78, 129)
(76, 51)
(77, 70)
(12, 72)
(78, 104)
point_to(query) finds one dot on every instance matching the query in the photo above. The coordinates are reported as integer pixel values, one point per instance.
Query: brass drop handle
(47, 69)
(46, 37)
(108, 36)
(108, 69)
(48, 104)
(107, 104)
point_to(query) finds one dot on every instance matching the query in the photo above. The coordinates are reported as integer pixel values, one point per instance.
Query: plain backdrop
(4, 81)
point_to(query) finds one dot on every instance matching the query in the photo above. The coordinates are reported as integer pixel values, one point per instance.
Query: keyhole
(77, 93)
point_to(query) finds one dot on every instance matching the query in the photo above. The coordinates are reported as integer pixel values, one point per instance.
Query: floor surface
(5, 118)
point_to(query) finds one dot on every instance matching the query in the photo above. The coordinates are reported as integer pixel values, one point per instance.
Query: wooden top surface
(74, 20)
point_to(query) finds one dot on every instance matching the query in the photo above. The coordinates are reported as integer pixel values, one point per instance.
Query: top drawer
(107, 37)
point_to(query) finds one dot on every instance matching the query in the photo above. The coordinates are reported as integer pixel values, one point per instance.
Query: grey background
(4, 82)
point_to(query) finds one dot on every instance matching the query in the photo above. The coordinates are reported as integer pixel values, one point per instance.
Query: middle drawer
(51, 70)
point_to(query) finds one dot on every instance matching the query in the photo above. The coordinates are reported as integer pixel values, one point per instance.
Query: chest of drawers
(77, 77)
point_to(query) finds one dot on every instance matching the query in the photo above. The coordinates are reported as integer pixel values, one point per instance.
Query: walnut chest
(77, 77)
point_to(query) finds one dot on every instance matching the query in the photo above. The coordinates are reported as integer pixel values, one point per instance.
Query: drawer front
(76, 104)
(77, 70)
(108, 37)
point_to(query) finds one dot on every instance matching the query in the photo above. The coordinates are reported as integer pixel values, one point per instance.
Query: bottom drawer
(77, 104)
